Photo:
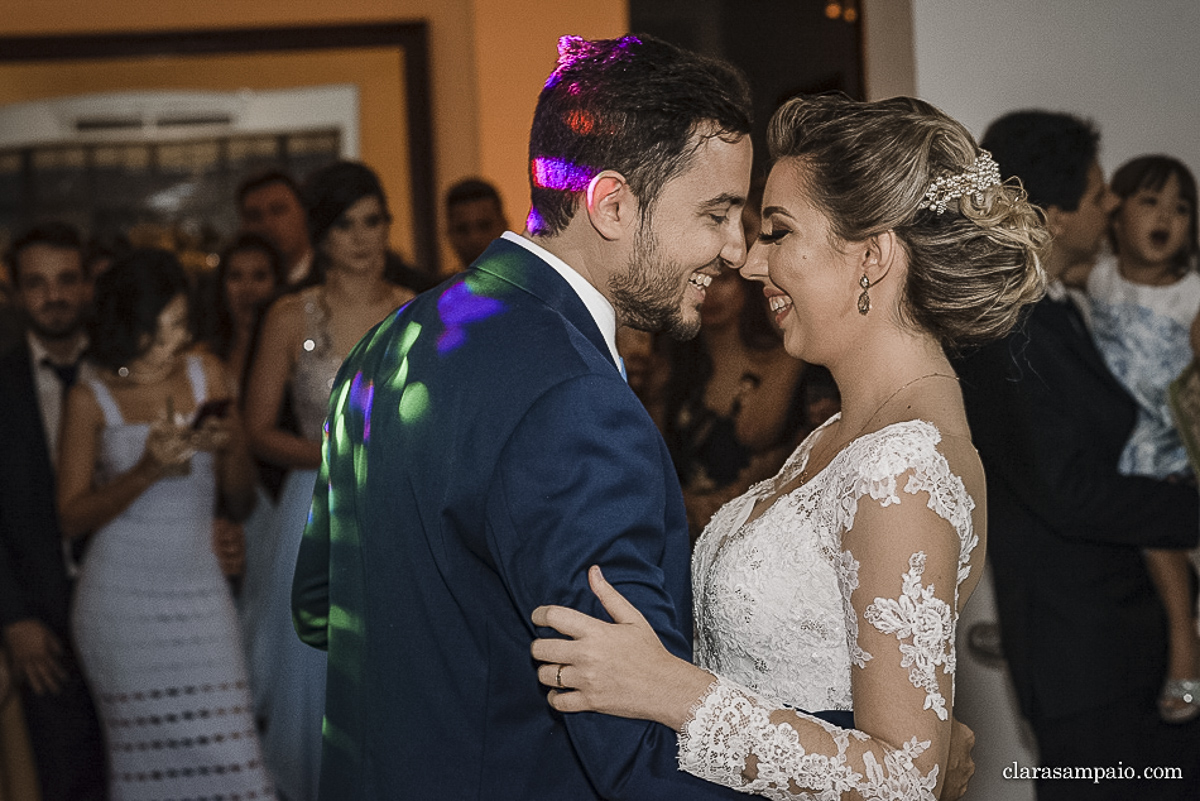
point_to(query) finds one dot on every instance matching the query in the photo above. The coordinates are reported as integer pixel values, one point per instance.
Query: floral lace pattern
(774, 615)
(928, 622)
(730, 724)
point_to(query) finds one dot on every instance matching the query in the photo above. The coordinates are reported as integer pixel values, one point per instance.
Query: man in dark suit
(54, 293)
(1082, 626)
(484, 451)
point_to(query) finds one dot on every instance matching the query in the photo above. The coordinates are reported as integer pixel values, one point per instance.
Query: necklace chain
(804, 473)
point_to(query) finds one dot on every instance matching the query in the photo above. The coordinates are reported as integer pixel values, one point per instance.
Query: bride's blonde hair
(972, 269)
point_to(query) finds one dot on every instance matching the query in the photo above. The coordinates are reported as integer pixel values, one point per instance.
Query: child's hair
(1152, 173)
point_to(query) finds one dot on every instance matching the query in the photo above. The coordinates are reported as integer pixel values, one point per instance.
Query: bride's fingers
(619, 609)
(558, 675)
(566, 701)
(564, 652)
(564, 620)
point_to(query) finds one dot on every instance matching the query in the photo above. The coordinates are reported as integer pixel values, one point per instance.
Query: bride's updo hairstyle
(973, 258)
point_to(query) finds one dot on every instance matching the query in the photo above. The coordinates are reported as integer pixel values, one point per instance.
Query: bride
(887, 239)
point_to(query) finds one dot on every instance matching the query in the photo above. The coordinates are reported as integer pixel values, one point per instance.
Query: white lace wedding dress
(782, 621)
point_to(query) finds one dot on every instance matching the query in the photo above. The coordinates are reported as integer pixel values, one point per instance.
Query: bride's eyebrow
(771, 211)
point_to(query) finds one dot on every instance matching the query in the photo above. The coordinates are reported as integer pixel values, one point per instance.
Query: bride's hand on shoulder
(619, 668)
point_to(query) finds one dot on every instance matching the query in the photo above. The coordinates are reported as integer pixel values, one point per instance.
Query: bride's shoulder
(921, 448)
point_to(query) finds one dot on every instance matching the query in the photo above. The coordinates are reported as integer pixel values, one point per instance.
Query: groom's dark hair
(633, 105)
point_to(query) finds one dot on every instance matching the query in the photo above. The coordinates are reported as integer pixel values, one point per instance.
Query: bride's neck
(877, 374)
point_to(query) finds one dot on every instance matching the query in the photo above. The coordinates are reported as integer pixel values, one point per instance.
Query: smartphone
(211, 408)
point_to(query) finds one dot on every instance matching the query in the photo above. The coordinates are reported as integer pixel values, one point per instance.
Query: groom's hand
(960, 767)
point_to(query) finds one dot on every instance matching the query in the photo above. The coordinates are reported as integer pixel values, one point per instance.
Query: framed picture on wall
(383, 66)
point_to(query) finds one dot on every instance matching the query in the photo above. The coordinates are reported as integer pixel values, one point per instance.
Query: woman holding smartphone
(145, 451)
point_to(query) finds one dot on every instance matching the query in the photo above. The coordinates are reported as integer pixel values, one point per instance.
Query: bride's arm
(900, 565)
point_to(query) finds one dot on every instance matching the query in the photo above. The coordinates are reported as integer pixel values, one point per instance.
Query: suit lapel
(516, 265)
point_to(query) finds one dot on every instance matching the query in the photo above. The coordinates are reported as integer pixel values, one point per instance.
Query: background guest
(269, 205)
(1144, 299)
(730, 415)
(249, 273)
(305, 338)
(35, 587)
(141, 465)
(474, 217)
(1083, 629)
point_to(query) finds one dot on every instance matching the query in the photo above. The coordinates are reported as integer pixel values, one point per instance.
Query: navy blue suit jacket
(483, 452)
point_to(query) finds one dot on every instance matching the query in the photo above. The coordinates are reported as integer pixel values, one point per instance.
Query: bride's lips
(780, 305)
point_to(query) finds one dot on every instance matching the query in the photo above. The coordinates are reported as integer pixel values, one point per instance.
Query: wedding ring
(558, 678)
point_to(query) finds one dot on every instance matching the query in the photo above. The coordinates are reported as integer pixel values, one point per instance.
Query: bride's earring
(864, 300)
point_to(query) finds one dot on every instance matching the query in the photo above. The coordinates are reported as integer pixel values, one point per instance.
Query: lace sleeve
(905, 545)
(736, 739)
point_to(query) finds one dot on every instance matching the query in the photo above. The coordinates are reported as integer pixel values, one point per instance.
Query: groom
(483, 450)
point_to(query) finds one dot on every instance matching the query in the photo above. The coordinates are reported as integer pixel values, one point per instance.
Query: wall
(1130, 65)
(488, 60)
(889, 63)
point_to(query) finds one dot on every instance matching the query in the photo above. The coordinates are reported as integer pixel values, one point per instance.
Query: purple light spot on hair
(573, 49)
(559, 174)
(535, 223)
(459, 306)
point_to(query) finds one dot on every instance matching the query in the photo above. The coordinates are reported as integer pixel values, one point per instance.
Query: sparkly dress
(289, 676)
(158, 636)
(792, 604)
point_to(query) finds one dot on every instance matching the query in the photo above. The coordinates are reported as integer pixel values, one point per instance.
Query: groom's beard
(649, 292)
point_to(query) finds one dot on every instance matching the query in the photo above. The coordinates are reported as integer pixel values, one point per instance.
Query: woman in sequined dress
(305, 338)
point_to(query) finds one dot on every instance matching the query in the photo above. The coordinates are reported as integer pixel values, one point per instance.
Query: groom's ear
(610, 204)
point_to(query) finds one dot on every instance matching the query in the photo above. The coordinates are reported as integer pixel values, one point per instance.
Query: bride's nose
(754, 268)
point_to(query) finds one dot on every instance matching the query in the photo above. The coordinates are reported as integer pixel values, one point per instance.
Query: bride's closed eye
(769, 237)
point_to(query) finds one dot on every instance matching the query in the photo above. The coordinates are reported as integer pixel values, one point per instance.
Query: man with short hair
(474, 218)
(1082, 626)
(53, 293)
(484, 451)
(269, 204)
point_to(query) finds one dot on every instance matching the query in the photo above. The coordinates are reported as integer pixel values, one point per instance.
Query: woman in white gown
(141, 466)
(887, 238)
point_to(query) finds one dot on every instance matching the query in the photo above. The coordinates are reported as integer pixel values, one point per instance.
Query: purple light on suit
(457, 307)
(362, 397)
(560, 174)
